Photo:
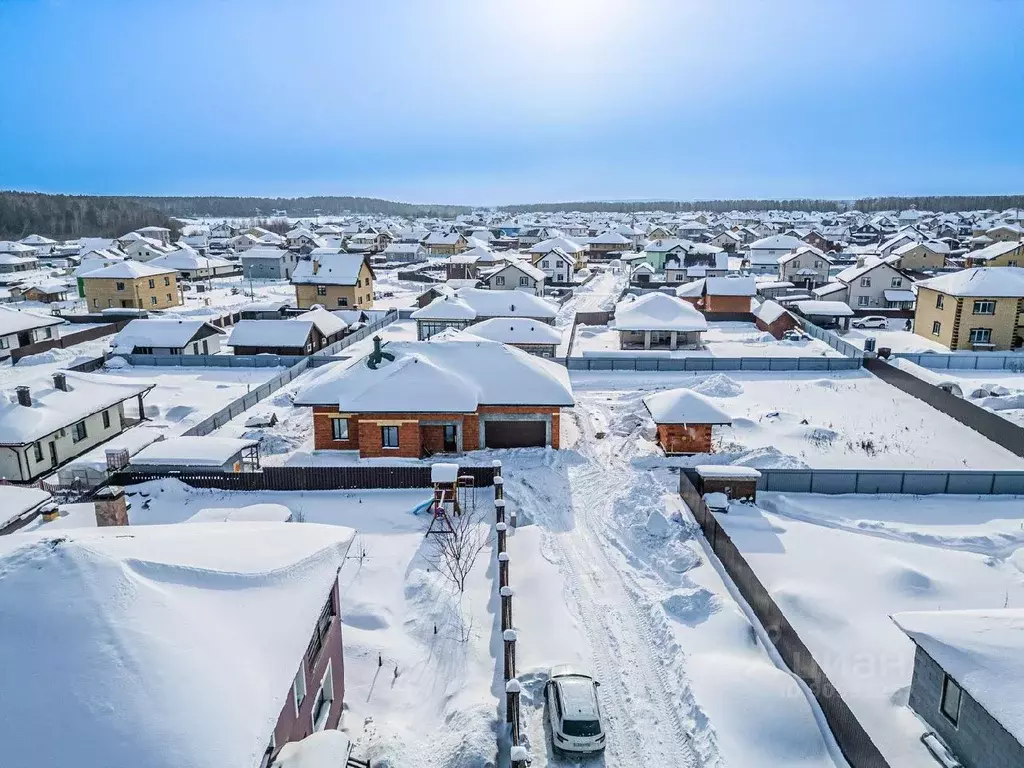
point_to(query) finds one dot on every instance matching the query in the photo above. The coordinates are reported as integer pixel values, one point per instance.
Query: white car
(871, 321)
(573, 711)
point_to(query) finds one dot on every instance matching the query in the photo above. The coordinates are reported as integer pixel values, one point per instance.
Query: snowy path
(597, 295)
(647, 705)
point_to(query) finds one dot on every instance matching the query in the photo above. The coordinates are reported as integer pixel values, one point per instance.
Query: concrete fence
(658, 363)
(965, 361)
(892, 481)
(841, 346)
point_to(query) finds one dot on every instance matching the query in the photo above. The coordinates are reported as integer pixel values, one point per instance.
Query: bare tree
(452, 553)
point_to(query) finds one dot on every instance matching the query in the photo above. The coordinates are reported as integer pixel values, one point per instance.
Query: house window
(37, 451)
(865, 282)
(342, 301)
(1011, 263)
(119, 286)
(323, 624)
(152, 299)
(862, 301)
(981, 335)
(5, 343)
(168, 297)
(359, 283)
(95, 302)
(524, 281)
(936, 328)
(950, 703)
(545, 264)
(152, 283)
(796, 264)
(339, 429)
(896, 282)
(324, 699)
(299, 686)
(321, 290)
(78, 432)
(389, 437)
(984, 307)
(499, 280)
(106, 419)
(938, 301)
(47, 333)
(167, 281)
(817, 265)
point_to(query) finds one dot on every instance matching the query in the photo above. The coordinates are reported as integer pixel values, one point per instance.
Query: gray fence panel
(786, 363)
(974, 483)
(755, 363)
(833, 482)
(1006, 484)
(818, 363)
(896, 481)
(880, 482)
(924, 483)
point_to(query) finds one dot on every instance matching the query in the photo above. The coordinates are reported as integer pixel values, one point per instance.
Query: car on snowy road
(573, 711)
(871, 321)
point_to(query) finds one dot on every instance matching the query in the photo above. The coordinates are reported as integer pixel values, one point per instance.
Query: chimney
(60, 381)
(24, 396)
(111, 506)
(49, 512)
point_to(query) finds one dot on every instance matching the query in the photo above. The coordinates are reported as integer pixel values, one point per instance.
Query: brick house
(975, 309)
(132, 285)
(415, 399)
(184, 644)
(685, 420)
(773, 318)
(334, 280)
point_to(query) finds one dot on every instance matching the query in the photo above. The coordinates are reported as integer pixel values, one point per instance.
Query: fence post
(506, 607)
(503, 569)
(499, 507)
(508, 638)
(501, 528)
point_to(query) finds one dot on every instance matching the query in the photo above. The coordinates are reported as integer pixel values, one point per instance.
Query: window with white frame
(984, 307)
(524, 281)
(321, 290)
(324, 698)
(952, 694)
(865, 282)
(78, 433)
(981, 335)
(299, 686)
(938, 301)
(499, 280)
(389, 437)
(862, 301)
(896, 282)
(339, 429)
(936, 328)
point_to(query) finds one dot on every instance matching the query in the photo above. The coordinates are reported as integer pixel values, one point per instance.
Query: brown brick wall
(781, 324)
(680, 438)
(726, 303)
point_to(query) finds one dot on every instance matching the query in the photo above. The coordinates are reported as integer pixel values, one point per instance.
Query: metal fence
(965, 361)
(841, 346)
(895, 481)
(653, 363)
(986, 423)
(857, 746)
(308, 478)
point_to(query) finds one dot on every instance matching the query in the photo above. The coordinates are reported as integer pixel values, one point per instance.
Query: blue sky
(504, 101)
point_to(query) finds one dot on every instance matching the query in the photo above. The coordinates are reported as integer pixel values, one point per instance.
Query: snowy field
(839, 566)
(722, 339)
(999, 391)
(440, 709)
(848, 419)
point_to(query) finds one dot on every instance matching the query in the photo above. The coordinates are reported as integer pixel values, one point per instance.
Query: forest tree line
(66, 217)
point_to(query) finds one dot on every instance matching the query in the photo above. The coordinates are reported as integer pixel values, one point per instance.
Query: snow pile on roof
(449, 376)
(326, 323)
(190, 451)
(188, 258)
(129, 270)
(332, 268)
(446, 308)
(444, 472)
(769, 311)
(161, 333)
(471, 303)
(171, 662)
(15, 321)
(731, 285)
(987, 282)
(824, 308)
(983, 650)
(658, 312)
(777, 243)
(994, 251)
(515, 330)
(253, 513)
(270, 333)
(53, 409)
(564, 243)
(727, 471)
(265, 252)
(684, 406)
(16, 501)
(323, 749)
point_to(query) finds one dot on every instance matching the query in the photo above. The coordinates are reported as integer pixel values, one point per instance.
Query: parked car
(871, 321)
(573, 711)
(793, 335)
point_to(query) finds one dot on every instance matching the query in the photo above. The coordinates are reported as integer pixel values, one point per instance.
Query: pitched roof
(730, 285)
(471, 303)
(567, 245)
(159, 332)
(515, 330)
(128, 270)
(684, 406)
(658, 312)
(204, 451)
(328, 324)
(334, 268)
(169, 623)
(525, 267)
(994, 251)
(777, 243)
(447, 376)
(16, 321)
(994, 282)
(270, 333)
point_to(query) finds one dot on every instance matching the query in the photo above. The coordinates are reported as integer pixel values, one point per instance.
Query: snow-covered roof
(264, 252)
(515, 330)
(730, 285)
(270, 333)
(727, 470)
(16, 321)
(982, 650)
(567, 245)
(824, 308)
(327, 323)
(53, 409)
(658, 312)
(936, 246)
(449, 376)
(684, 406)
(15, 501)
(694, 288)
(994, 251)
(322, 749)
(187, 258)
(988, 282)
(152, 649)
(828, 289)
(129, 270)
(523, 266)
(471, 303)
(252, 513)
(769, 311)
(777, 243)
(893, 294)
(159, 332)
(333, 269)
(203, 451)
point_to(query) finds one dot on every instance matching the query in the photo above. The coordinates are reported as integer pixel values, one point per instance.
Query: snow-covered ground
(403, 293)
(722, 339)
(999, 391)
(598, 295)
(440, 710)
(848, 419)
(896, 337)
(839, 566)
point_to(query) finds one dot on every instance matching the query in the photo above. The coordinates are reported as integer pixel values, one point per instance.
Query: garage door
(514, 434)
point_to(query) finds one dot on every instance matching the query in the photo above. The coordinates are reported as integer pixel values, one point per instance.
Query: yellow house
(446, 244)
(1006, 233)
(974, 309)
(1001, 254)
(131, 284)
(921, 256)
(335, 280)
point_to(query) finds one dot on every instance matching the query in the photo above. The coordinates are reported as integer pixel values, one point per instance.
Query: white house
(872, 284)
(160, 336)
(517, 276)
(807, 266)
(21, 328)
(763, 255)
(557, 265)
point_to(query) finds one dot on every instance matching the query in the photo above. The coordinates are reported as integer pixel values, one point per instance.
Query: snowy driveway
(596, 296)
